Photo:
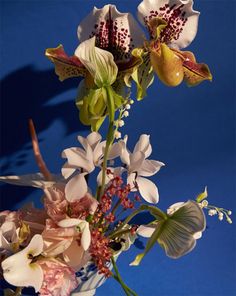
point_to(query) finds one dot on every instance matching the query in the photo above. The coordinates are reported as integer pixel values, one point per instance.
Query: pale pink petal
(144, 145)
(115, 150)
(98, 153)
(136, 161)
(132, 181)
(54, 246)
(86, 237)
(93, 139)
(145, 230)
(70, 222)
(150, 168)
(76, 188)
(122, 36)
(125, 153)
(148, 190)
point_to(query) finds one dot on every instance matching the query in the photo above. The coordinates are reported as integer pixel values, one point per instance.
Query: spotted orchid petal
(114, 31)
(76, 188)
(99, 62)
(65, 66)
(30, 273)
(181, 19)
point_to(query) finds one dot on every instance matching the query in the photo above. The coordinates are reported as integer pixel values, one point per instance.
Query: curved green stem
(117, 277)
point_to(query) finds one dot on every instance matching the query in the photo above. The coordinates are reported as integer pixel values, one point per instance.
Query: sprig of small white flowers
(123, 114)
(213, 210)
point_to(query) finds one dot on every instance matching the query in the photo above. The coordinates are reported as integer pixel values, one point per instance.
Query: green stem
(119, 233)
(109, 137)
(118, 278)
(142, 208)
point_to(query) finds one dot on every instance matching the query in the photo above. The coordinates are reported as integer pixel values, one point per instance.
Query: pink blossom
(59, 279)
(55, 202)
(84, 206)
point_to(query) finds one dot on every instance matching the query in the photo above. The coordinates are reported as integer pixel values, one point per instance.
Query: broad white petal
(67, 170)
(179, 14)
(69, 222)
(122, 36)
(115, 150)
(98, 153)
(150, 168)
(86, 237)
(18, 269)
(76, 188)
(93, 139)
(148, 190)
(131, 180)
(145, 231)
(136, 161)
(125, 154)
(144, 145)
(77, 158)
(100, 63)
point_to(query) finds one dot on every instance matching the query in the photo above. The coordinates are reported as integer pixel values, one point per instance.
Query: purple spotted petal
(116, 32)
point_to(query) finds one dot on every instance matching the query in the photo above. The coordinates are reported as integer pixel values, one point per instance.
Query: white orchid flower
(21, 269)
(139, 167)
(178, 233)
(82, 226)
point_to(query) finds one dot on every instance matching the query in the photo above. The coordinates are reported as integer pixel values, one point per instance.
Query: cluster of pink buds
(100, 252)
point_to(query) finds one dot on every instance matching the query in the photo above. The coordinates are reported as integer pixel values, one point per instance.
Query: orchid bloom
(31, 274)
(177, 233)
(139, 167)
(172, 25)
(85, 160)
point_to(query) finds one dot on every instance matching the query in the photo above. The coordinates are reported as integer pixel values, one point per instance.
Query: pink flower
(55, 202)
(84, 206)
(65, 241)
(59, 279)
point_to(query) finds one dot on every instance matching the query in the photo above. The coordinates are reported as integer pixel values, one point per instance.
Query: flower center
(114, 37)
(175, 18)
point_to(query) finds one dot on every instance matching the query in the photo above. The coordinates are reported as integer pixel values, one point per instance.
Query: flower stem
(132, 215)
(109, 138)
(117, 277)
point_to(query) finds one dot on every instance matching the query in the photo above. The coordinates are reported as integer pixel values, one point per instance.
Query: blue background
(192, 130)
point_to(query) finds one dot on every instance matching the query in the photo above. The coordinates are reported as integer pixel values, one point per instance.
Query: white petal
(93, 139)
(67, 170)
(55, 246)
(115, 150)
(131, 180)
(148, 190)
(122, 27)
(125, 154)
(18, 269)
(86, 237)
(187, 19)
(76, 188)
(145, 231)
(197, 235)
(98, 153)
(136, 161)
(100, 63)
(69, 222)
(144, 145)
(150, 168)
(77, 158)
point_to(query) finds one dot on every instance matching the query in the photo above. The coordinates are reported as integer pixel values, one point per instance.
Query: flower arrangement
(79, 226)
